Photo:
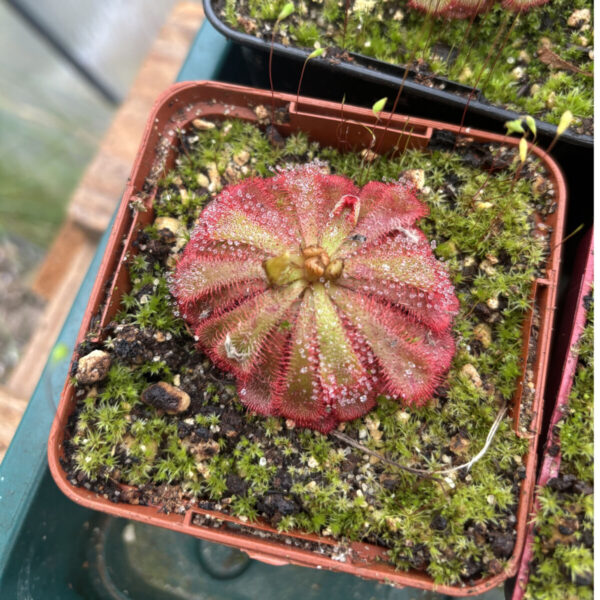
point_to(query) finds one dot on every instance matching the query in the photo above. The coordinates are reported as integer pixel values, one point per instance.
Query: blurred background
(66, 68)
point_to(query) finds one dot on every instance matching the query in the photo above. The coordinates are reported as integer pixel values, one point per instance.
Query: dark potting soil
(214, 456)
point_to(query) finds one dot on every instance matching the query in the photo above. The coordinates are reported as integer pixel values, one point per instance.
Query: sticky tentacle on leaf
(411, 357)
(234, 338)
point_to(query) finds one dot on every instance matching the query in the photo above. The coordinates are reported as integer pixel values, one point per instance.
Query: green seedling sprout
(286, 11)
(314, 54)
(379, 106)
(531, 124)
(515, 126)
(522, 149)
(563, 125)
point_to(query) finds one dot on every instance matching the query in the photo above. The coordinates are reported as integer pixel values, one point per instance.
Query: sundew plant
(318, 296)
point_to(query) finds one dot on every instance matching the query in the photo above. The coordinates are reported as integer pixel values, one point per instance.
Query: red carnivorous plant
(317, 295)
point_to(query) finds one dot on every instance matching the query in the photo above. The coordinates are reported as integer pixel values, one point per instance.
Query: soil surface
(563, 547)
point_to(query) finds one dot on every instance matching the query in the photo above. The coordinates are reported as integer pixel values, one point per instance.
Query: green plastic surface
(53, 548)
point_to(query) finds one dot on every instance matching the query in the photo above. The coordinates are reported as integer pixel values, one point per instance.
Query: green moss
(392, 32)
(118, 437)
(562, 563)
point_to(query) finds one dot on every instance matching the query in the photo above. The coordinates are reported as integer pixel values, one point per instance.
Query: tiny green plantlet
(565, 121)
(316, 53)
(286, 11)
(515, 126)
(366, 307)
(523, 149)
(379, 106)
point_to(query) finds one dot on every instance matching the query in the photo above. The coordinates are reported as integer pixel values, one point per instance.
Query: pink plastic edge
(551, 464)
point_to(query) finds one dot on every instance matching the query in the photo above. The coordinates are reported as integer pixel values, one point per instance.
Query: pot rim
(177, 106)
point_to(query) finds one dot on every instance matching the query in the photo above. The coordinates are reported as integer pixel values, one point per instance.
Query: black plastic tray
(446, 92)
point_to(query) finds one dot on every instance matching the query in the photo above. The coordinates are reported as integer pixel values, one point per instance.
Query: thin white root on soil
(424, 472)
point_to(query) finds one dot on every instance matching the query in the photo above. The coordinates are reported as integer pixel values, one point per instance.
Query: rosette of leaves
(318, 296)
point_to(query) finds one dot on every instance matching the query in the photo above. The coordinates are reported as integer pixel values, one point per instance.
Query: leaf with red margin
(463, 9)
(386, 207)
(431, 7)
(347, 385)
(258, 390)
(204, 268)
(298, 394)
(234, 338)
(314, 195)
(402, 270)
(197, 311)
(522, 5)
(411, 357)
(248, 213)
(342, 220)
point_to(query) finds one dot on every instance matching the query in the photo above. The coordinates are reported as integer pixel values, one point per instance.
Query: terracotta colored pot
(320, 120)
(576, 313)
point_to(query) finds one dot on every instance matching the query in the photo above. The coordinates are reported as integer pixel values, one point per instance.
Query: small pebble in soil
(562, 483)
(471, 373)
(579, 17)
(164, 396)
(169, 223)
(203, 125)
(202, 180)
(93, 367)
(262, 114)
(483, 333)
(493, 303)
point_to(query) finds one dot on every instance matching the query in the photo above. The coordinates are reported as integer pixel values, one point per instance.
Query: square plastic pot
(320, 120)
(575, 319)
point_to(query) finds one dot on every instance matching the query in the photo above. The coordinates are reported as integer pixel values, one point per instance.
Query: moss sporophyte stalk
(164, 424)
